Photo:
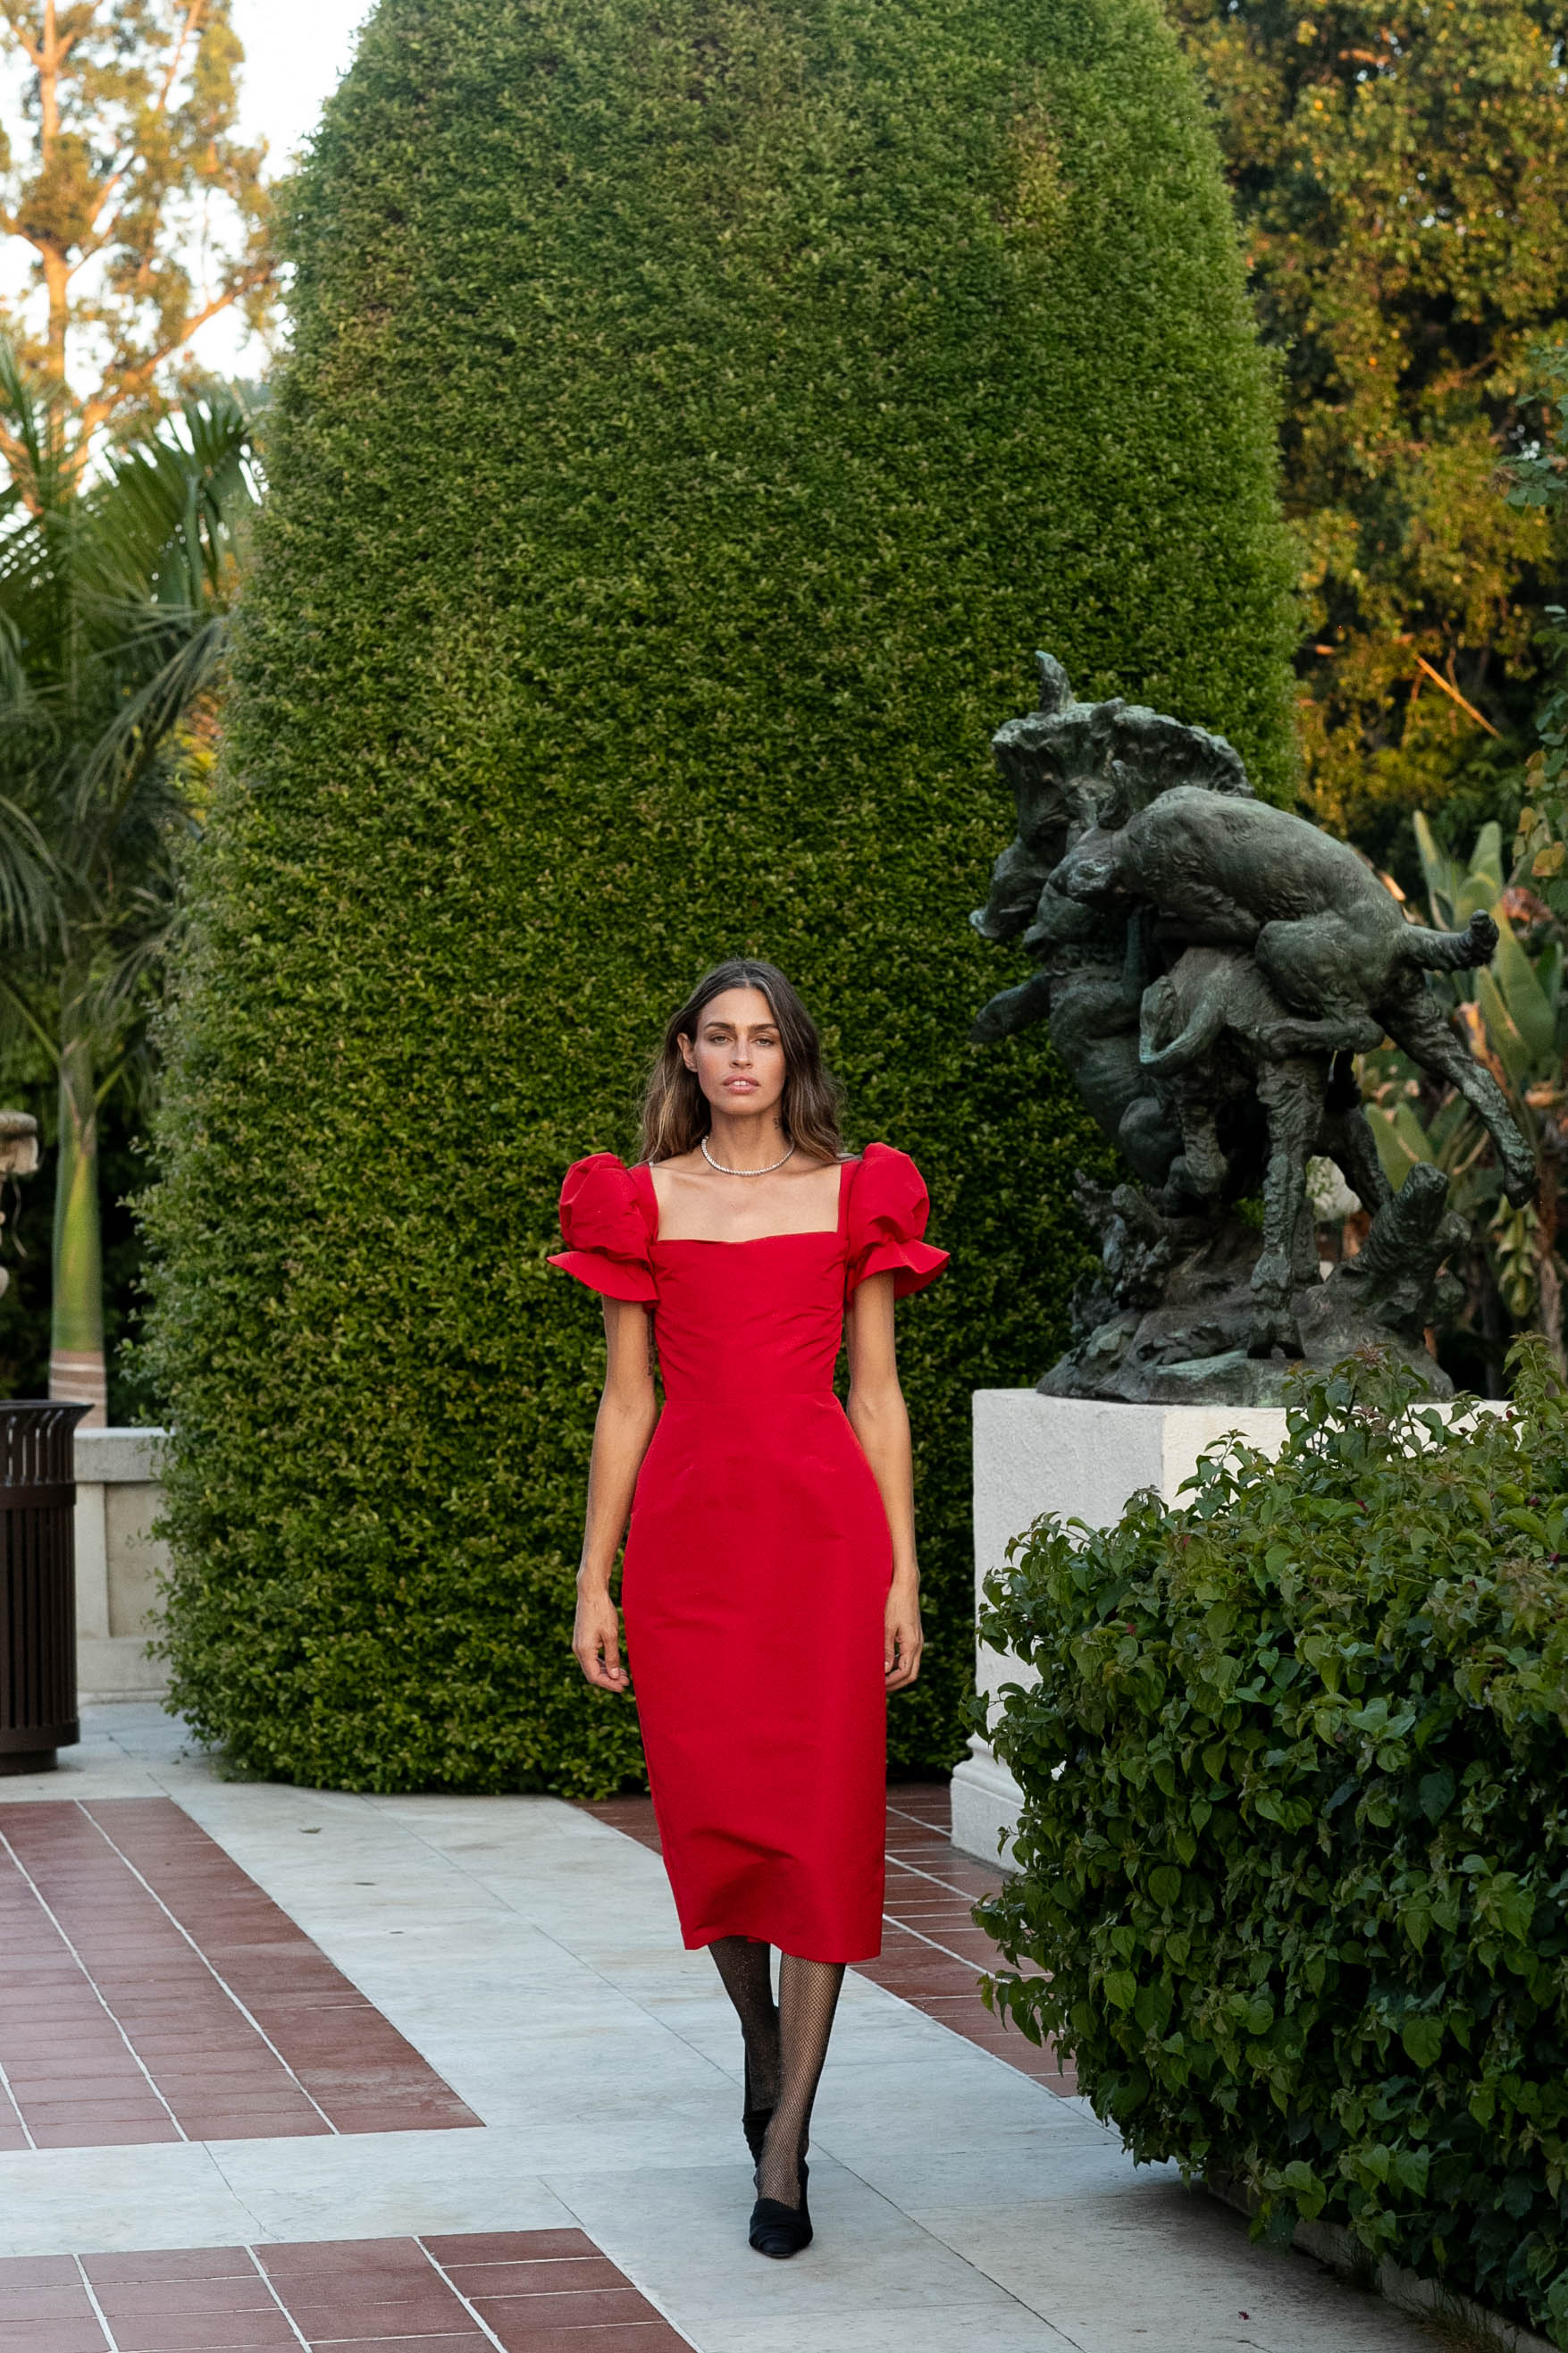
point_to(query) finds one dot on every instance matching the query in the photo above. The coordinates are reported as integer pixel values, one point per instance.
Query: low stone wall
(117, 1563)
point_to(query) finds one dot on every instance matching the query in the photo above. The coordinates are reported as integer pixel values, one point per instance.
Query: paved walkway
(435, 2072)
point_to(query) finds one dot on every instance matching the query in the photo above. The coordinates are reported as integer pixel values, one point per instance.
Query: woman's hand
(596, 1639)
(903, 1641)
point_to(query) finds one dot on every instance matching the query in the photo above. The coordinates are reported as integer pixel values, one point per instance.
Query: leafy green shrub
(1300, 1881)
(697, 413)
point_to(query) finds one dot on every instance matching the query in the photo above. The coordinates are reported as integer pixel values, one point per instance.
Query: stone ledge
(985, 1802)
(113, 1667)
(118, 1457)
(1333, 2244)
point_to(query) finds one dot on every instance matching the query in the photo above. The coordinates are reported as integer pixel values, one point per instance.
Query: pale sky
(296, 52)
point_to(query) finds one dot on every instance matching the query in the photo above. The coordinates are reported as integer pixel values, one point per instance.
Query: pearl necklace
(722, 1171)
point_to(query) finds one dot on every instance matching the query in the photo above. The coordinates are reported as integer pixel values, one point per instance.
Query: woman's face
(738, 1054)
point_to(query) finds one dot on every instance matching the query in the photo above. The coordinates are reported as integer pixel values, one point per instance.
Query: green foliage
(112, 629)
(698, 415)
(1402, 178)
(1513, 1016)
(1300, 1879)
(1539, 479)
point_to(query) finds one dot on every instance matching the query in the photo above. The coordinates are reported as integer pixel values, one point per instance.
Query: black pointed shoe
(781, 2230)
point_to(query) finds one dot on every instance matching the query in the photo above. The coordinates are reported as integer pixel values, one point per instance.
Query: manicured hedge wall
(1295, 1848)
(698, 414)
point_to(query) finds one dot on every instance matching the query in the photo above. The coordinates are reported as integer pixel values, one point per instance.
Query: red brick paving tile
(407, 2273)
(127, 2107)
(554, 2276)
(128, 2136)
(520, 2320)
(132, 2301)
(508, 2246)
(218, 2098)
(458, 2341)
(362, 2306)
(35, 2271)
(51, 2335)
(50, 2080)
(650, 2336)
(165, 2263)
(207, 2332)
(344, 2255)
(66, 2302)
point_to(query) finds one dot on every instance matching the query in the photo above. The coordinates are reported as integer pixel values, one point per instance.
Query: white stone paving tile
(949, 2328)
(689, 2225)
(1187, 2279)
(531, 1953)
(389, 2185)
(60, 2201)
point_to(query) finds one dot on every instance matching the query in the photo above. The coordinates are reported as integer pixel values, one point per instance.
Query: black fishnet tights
(747, 1967)
(808, 1996)
(786, 2045)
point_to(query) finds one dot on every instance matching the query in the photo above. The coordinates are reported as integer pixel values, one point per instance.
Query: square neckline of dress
(744, 1241)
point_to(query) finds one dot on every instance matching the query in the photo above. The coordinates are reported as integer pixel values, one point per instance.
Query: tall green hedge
(697, 413)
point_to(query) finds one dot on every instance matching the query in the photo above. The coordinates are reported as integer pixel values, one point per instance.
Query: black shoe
(754, 2121)
(780, 2231)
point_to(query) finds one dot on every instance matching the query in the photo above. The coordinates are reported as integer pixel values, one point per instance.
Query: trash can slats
(37, 1583)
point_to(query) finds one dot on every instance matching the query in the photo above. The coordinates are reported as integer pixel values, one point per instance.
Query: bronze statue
(1208, 965)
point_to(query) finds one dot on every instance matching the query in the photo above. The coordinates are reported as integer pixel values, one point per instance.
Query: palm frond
(109, 772)
(112, 597)
(30, 906)
(43, 470)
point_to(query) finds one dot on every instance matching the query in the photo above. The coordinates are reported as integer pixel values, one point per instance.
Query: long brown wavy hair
(675, 1113)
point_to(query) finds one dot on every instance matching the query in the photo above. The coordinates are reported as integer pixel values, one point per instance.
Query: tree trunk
(76, 1370)
(48, 57)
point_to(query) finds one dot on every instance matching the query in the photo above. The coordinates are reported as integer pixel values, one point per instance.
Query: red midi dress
(758, 1559)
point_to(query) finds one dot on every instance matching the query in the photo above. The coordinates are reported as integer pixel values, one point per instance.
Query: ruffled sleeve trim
(888, 1210)
(604, 1226)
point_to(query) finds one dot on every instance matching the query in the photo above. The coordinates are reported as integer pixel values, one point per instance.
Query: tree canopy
(1402, 178)
(144, 214)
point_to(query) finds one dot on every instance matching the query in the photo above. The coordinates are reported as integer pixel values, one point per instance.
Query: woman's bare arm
(628, 1412)
(880, 1422)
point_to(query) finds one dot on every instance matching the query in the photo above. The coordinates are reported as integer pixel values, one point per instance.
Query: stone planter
(1083, 1458)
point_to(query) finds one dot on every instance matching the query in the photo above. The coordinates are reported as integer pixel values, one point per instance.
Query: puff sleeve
(888, 1206)
(605, 1230)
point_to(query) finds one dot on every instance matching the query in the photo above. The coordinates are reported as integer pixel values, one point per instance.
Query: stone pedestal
(1082, 1459)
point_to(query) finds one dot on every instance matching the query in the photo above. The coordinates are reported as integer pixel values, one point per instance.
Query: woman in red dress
(770, 1587)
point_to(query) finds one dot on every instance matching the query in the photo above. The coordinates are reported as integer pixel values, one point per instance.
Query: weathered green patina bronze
(1209, 966)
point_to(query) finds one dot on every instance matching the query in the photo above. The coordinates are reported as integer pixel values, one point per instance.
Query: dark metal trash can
(37, 1583)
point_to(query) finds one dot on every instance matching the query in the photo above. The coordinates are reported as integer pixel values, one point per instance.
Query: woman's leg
(747, 1967)
(808, 1996)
